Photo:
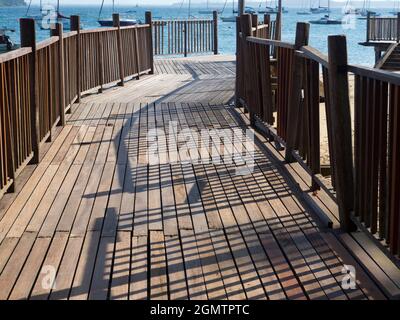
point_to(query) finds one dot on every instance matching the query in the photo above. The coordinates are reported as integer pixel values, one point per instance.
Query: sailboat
(231, 18)
(350, 10)
(270, 9)
(304, 10)
(44, 13)
(396, 8)
(367, 10)
(109, 22)
(36, 17)
(320, 9)
(326, 20)
(208, 10)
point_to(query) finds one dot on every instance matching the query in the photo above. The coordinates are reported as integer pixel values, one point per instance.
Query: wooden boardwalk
(111, 225)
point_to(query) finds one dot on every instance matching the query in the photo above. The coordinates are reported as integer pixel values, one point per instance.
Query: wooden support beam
(117, 24)
(28, 39)
(341, 128)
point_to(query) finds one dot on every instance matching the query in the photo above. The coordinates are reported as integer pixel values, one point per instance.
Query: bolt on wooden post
(28, 39)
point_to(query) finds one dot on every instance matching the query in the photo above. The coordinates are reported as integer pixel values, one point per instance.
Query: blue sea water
(355, 31)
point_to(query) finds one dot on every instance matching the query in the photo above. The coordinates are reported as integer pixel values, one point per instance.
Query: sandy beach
(323, 124)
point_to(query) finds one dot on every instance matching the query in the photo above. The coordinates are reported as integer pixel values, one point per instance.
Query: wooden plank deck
(110, 224)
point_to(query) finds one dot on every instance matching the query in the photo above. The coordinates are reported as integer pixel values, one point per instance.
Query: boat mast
(29, 7)
(101, 9)
(113, 6)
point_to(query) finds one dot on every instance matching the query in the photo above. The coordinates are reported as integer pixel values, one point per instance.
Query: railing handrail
(270, 42)
(69, 34)
(376, 74)
(41, 80)
(47, 42)
(364, 170)
(383, 28)
(182, 20)
(185, 36)
(4, 57)
(315, 55)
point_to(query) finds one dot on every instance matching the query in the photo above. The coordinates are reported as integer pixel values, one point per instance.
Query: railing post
(215, 25)
(398, 27)
(302, 36)
(58, 32)
(341, 128)
(117, 24)
(278, 26)
(137, 55)
(254, 24)
(368, 25)
(76, 26)
(246, 27)
(28, 39)
(101, 65)
(241, 7)
(149, 21)
(239, 80)
(267, 21)
(185, 38)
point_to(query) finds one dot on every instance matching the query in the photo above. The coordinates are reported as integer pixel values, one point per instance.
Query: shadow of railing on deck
(134, 180)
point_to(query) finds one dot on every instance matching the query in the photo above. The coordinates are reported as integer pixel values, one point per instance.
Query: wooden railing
(365, 179)
(40, 81)
(377, 153)
(16, 147)
(183, 37)
(383, 29)
(266, 30)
